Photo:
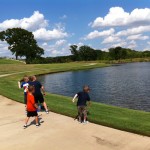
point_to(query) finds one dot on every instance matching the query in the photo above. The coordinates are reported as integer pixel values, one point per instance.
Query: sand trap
(91, 64)
(58, 132)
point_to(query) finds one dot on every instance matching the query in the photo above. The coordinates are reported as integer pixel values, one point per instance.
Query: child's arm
(43, 90)
(36, 106)
(73, 100)
(19, 84)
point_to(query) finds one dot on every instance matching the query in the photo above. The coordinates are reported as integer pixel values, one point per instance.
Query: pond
(126, 85)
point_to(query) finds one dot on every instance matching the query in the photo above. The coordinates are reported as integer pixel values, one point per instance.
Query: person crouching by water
(38, 94)
(31, 107)
(83, 98)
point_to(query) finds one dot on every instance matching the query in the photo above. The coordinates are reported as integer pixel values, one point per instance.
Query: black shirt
(37, 85)
(83, 97)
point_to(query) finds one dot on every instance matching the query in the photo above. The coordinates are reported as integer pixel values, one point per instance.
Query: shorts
(32, 113)
(82, 111)
(25, 98)
(39, 98)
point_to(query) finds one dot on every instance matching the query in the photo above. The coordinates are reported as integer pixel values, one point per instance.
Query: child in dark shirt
(83, 98)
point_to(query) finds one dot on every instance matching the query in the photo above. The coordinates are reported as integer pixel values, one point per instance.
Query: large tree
(117, 53)
(21, 43)
(87, 53)
(74, 52)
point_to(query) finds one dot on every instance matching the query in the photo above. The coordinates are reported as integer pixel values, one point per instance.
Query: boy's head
(33, 78)
(31, 89)
(86, 88)
(25, 79)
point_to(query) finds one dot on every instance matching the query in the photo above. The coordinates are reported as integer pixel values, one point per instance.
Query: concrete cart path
(58, 132)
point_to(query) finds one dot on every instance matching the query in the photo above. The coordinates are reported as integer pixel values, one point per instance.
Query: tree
(21, 43)
(87, 53)
(117, 53)
(74, 52)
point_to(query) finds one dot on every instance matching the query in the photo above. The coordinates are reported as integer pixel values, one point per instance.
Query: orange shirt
(30, 102)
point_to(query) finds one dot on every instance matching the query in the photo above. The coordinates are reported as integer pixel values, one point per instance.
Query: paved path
(58, 132)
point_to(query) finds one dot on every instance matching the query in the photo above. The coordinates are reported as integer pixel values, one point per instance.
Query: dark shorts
(82, 111)
(39, 98)
(32, 113)
(25, 98)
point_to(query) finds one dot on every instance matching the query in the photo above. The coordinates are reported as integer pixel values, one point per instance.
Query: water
(126, 85)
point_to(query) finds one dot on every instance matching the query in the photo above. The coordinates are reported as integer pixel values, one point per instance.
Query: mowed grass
(119, 118)
(10, 61)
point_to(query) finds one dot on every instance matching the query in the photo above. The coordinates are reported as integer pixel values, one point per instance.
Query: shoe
(85, 122)
(25, 126)
(47, 112)
(37, 125)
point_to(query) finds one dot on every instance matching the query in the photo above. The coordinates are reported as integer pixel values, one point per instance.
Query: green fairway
(9, 61)
(119, 118)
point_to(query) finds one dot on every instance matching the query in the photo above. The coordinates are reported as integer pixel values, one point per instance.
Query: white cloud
(60, 47)
(34, 22)
(111, 39)
(47, 35)
(148, 43)
(4, 49)
(121, 44)
(137, 37)
(60, 42)
(132, 44)
(136, 30)
(118, 17)
(96, 34)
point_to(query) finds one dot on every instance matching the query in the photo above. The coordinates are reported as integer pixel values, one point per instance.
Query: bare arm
(43, 90)
(36, 106)
(73, 100)
(19, 84)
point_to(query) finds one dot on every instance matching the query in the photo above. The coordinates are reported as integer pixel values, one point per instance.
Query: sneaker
(85, 122)
(37, 125)
(47, 112)
(25, 126)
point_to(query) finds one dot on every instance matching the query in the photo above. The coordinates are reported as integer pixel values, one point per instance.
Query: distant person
(38, 92)
(31, 107)
(83, 98)
(24, 85)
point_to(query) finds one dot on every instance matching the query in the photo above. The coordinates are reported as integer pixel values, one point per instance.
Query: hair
(25, 78)
(31, 88)
(30, 78)
(86, 88)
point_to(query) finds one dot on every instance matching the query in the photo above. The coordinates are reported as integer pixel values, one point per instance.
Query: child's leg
(37, 120)
(79, 114)
(45, 106)
(26, 120)
(85, 114)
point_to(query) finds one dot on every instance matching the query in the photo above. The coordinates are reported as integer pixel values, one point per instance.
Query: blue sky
(56, 24)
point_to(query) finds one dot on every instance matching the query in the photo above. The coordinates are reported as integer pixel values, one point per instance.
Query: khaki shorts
(82, 111)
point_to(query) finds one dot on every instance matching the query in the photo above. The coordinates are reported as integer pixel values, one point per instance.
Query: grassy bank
(132, 60)
(119, 118)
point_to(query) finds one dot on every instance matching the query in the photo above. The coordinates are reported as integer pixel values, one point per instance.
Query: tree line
(22, 44)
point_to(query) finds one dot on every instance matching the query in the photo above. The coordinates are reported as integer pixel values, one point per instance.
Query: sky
(57, 24)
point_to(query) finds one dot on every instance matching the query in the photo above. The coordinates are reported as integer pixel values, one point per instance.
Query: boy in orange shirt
(31, 107)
